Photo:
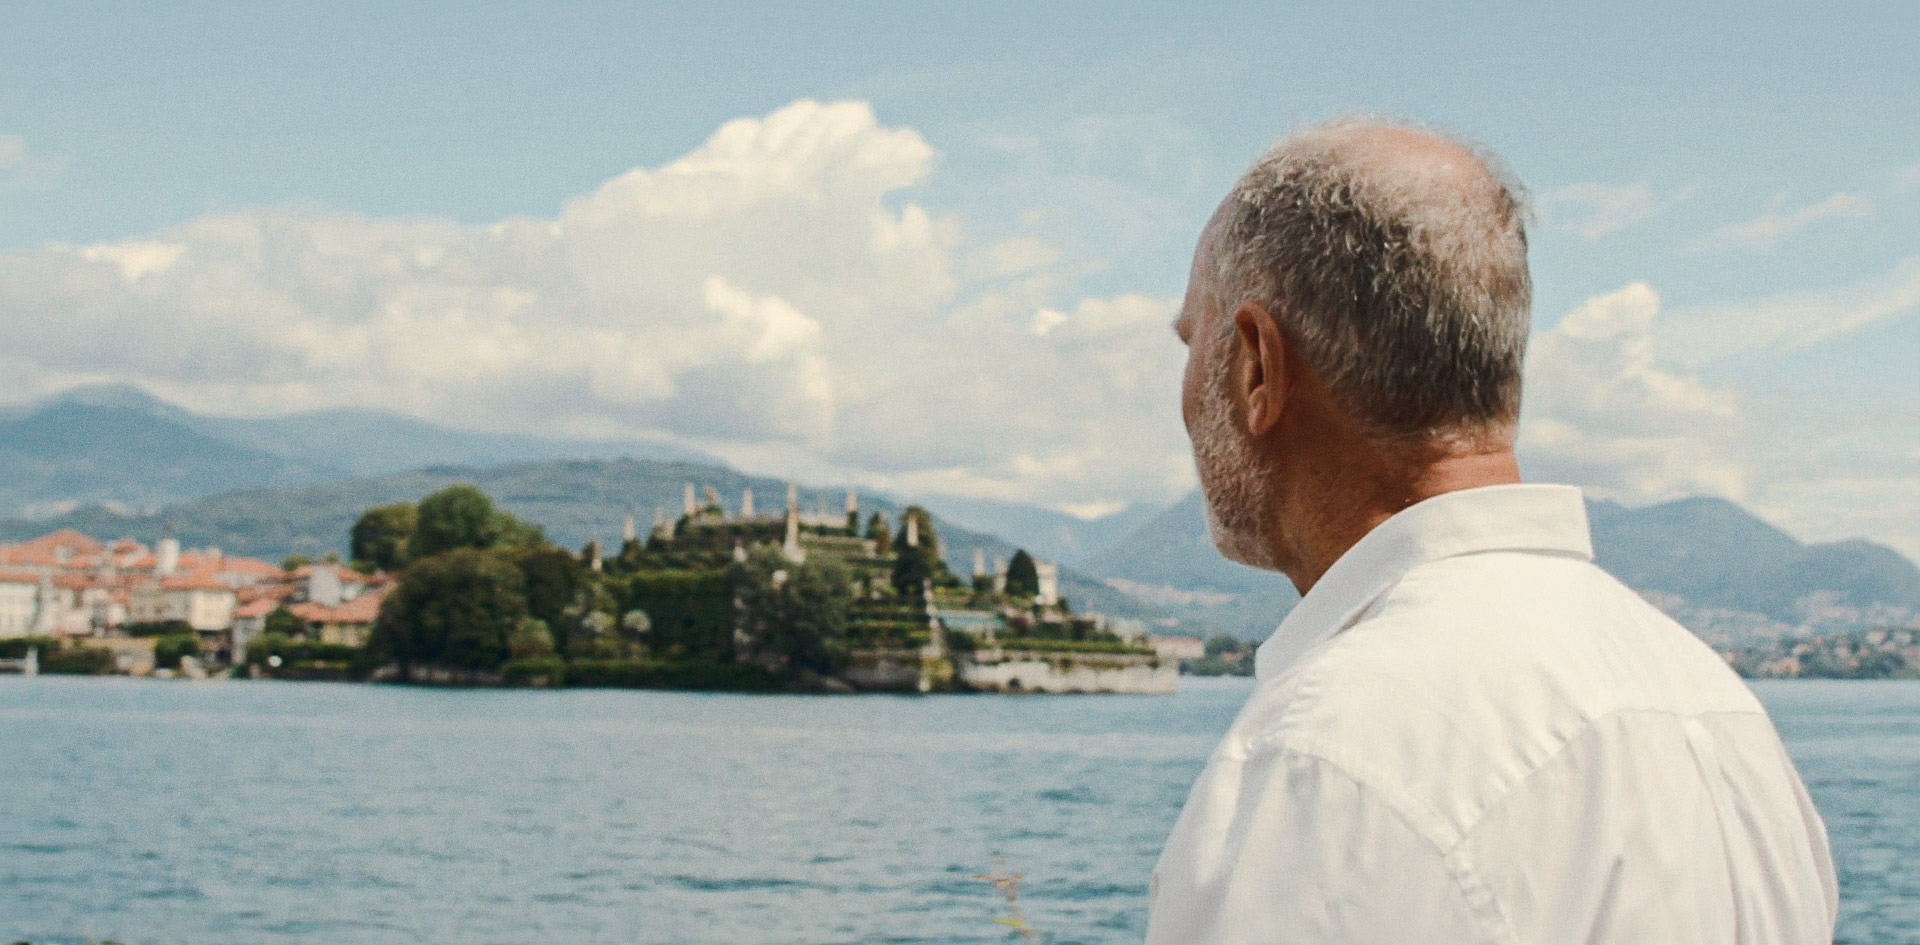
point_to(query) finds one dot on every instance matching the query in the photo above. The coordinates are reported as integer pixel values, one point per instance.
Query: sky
(936, 250)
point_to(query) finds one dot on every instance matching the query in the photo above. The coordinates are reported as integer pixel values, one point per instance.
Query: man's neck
(1357, 500)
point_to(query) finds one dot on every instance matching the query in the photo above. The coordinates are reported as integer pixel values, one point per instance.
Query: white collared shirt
(1467, 732)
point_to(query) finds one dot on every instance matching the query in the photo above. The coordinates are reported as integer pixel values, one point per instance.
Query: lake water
(167, 812)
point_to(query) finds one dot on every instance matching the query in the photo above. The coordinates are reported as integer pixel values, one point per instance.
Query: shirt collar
(1527, 518)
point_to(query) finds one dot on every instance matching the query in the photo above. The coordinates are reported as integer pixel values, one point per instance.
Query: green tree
(295, 562)
(879, 533)
(455, 517)
(530, 640)
(796, 614)
(284, 623)
(553, 579)
(912, 568)
(1023, 576)
(919, 562)
(454, 609)
(629, 558)
(511, 532)
(168, 650)
(157, 628)
(591, 625)
(690, 614)
(381, 536)
(928, 538)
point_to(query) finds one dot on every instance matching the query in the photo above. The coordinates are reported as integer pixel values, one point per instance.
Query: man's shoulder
(1471, 672)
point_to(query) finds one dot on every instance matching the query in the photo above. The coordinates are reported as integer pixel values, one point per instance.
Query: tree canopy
(1023, 576)
(879, 533)
(381, 536)
(796, 614)
(928, 538)
(284, 622)
(553, 579)
(455, 517)
(457, 609)
(462, 516)
(920, 562)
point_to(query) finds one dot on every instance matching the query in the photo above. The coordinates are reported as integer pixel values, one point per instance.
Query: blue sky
(1727, 196)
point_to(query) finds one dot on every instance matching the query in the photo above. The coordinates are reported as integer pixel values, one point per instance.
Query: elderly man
(1465, 732)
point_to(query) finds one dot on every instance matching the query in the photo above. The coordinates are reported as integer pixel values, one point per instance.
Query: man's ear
(1263, 380)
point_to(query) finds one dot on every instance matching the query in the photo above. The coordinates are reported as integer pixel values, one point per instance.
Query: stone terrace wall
(1035, 671)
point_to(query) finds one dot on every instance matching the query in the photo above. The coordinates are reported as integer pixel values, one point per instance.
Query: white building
(202, 602)
(1178, 649)
(19, 602)
(1049, 574)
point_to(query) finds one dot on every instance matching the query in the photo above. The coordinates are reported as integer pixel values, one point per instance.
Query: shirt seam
(1574, 737)
(1452, 850)
(1475, 895)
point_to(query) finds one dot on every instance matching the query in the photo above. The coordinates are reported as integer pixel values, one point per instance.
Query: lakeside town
(455, 591)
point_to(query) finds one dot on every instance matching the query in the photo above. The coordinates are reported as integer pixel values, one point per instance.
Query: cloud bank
(778, 298)
(1619, 400)
(772, 297)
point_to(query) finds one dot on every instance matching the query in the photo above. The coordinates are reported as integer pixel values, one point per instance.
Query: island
(453, 590)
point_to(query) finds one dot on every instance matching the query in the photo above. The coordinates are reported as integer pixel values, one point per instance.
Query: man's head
(1357, 310)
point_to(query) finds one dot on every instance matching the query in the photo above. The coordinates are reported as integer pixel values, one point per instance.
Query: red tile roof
(69, 539)
(258, 607)
(201, 581)
(360, 610)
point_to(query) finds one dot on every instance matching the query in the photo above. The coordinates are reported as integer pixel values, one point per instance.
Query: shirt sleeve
(1284, 847)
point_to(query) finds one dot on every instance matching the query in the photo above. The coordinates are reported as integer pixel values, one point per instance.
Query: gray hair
(1404, 284)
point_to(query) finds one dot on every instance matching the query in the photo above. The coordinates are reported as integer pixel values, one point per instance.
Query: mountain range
(119, 446)
(1723, 570)
(113, 461)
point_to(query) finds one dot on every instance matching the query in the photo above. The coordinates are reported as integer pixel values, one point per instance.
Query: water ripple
(280, 813)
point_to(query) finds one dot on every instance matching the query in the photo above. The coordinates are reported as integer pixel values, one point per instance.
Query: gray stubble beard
(1232, 479)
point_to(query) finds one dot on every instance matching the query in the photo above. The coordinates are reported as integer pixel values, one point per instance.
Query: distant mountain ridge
(1698, 556)
(109, 446)
(1054, 536)
(1714, 554)
(118, 445)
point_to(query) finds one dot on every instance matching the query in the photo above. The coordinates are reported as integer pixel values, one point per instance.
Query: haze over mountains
(119, 445)
(115, 461)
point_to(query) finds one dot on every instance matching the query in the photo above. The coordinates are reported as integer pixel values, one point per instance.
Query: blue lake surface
(153, 812)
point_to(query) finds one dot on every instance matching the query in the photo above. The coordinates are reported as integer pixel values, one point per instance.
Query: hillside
(376, 442)
(115, 445)
(1714, 554)
(1722, 569)
(119, 445)
(1054, 536)
(1173, 550)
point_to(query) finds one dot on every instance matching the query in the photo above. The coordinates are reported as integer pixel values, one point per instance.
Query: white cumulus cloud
(1603, 411)
(774, 296)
